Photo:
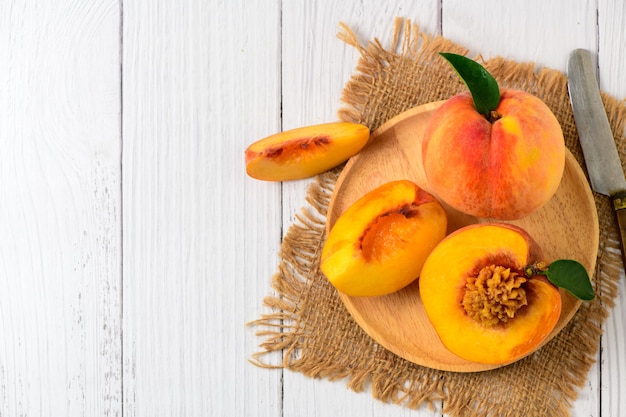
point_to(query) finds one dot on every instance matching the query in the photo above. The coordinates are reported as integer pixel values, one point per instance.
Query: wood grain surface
(134, 249)
(60, 179)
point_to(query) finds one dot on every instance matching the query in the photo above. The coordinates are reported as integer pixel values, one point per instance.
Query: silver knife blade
(601, 158)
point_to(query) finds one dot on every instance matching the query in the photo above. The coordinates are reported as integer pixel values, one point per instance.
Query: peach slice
(379, 244)
(305, 151)
(479, 298)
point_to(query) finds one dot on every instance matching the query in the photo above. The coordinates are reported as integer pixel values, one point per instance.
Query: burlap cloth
(317, 335)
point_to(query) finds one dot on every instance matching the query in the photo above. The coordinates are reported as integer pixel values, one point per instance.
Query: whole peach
(502, 166)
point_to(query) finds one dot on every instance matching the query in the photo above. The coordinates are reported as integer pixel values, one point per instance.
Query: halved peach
(479, 299)
(305, 151)
(379, 244)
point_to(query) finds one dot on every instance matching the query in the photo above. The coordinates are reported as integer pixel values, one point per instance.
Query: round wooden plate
(566, 227)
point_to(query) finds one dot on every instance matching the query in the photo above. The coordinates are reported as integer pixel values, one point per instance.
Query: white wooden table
(133, 247)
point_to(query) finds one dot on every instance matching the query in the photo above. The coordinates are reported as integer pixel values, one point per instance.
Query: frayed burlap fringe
(317, 335)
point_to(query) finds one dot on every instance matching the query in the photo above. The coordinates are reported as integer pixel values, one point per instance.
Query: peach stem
(538, 268)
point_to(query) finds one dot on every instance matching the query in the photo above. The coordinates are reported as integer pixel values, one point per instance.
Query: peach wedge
(379, 244)
(304, 152)
(479, 298)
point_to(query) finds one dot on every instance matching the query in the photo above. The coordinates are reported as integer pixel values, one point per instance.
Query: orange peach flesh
(390, 231)
(443, 286)
(292, 149)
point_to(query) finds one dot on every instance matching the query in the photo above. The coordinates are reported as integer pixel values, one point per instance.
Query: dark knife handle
(619, 205)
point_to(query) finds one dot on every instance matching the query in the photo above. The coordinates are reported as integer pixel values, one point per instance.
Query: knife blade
(603, 163)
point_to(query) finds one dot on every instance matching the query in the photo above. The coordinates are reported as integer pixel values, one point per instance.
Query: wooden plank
(612, 77)
(201, 81)
(316, 66)
(611, 43)
(60, 351)
(524, 30)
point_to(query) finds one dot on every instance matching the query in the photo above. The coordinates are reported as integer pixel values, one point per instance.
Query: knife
(596, 139)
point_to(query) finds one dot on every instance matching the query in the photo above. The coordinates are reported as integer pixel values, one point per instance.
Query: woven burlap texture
(319, 338)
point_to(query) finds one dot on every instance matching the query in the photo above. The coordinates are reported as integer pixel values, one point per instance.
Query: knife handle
(619, 205)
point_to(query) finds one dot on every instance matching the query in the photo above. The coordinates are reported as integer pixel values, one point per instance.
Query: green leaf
(572, 276)
(481, 84)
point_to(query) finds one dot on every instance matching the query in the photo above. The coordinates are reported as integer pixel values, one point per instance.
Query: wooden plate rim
(467, 366)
